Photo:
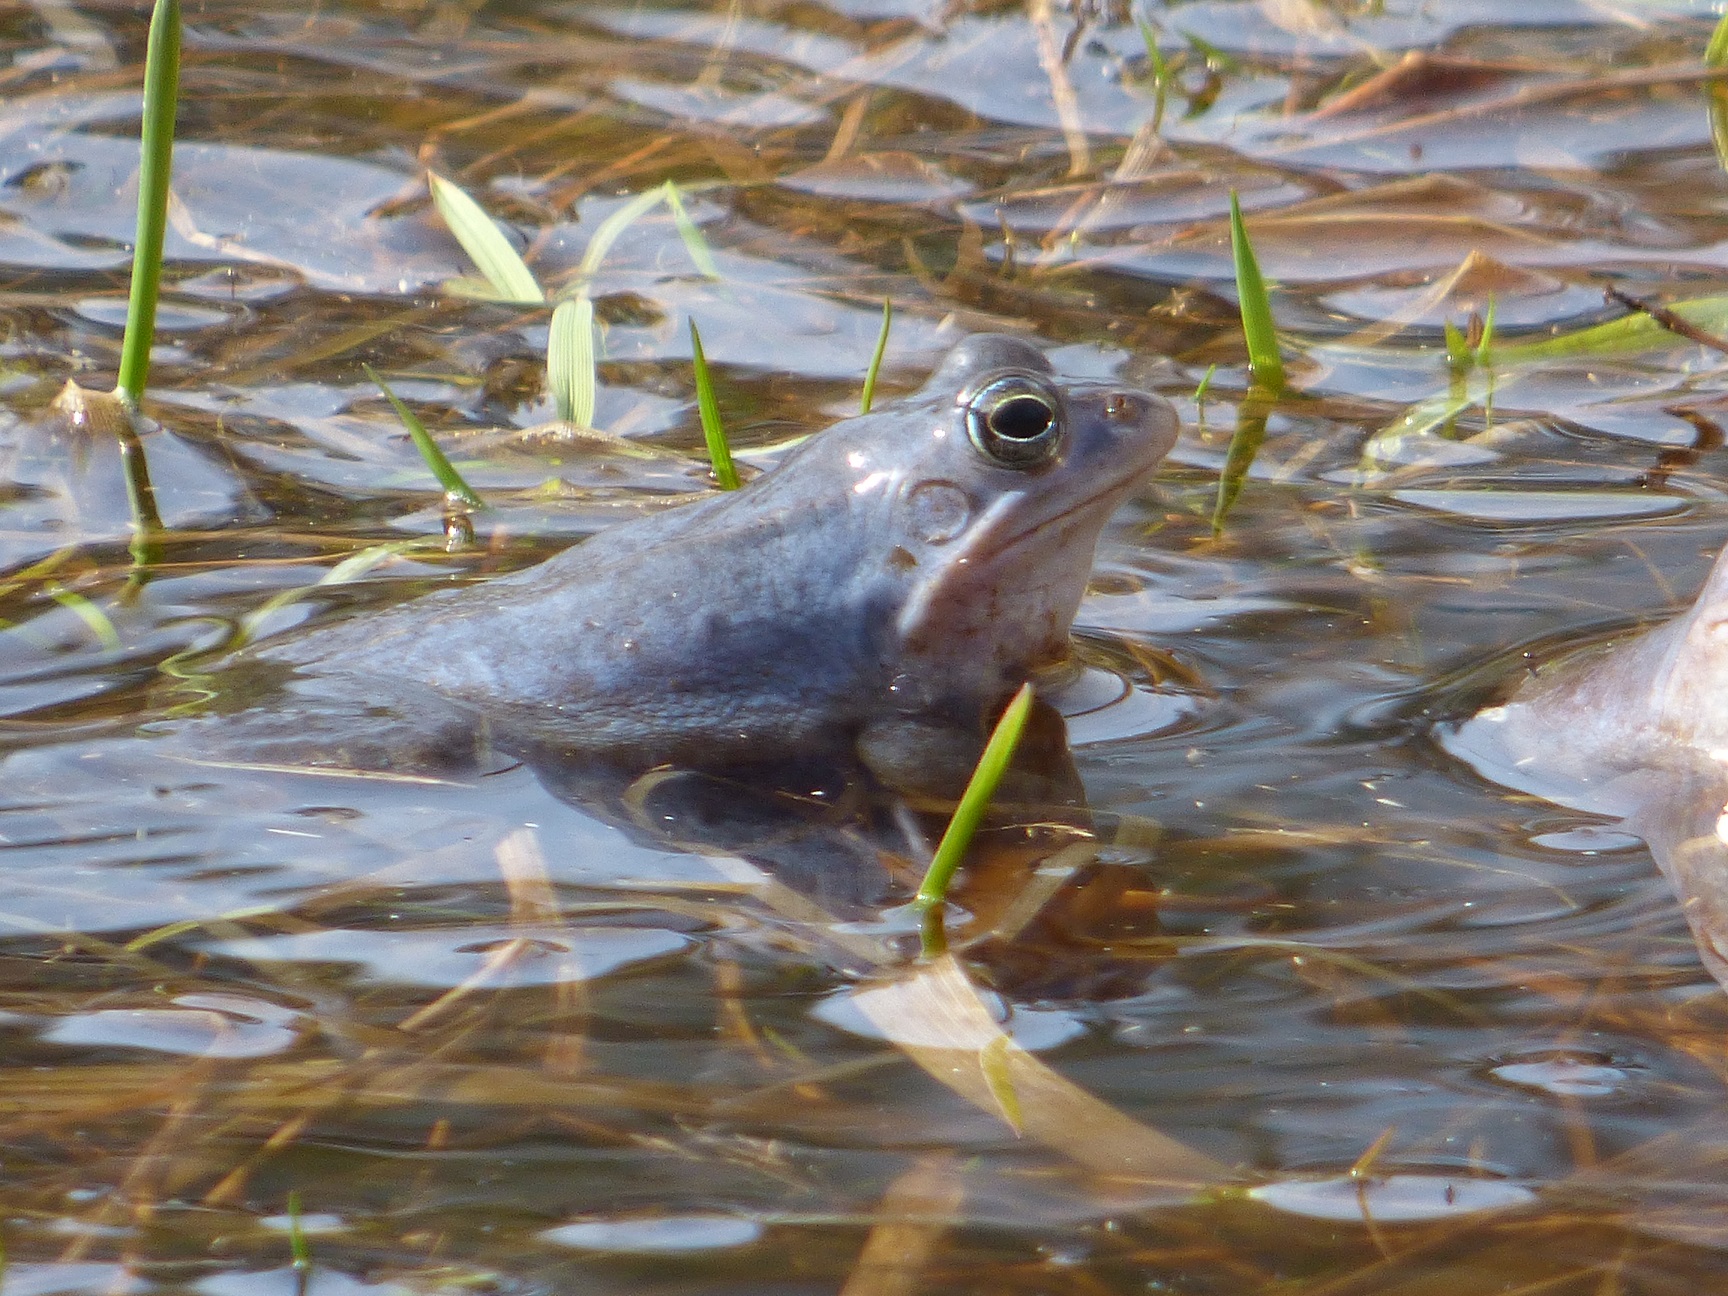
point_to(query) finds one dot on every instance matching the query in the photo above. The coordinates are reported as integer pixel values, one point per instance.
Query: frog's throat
(986, 544)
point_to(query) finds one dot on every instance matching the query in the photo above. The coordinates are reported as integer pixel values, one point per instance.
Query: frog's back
(642, 638)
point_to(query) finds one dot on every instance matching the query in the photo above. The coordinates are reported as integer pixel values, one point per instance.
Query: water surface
(494, 1038)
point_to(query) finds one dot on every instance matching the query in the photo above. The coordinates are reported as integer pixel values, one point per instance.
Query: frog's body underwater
(899, 573)
(1637, 729)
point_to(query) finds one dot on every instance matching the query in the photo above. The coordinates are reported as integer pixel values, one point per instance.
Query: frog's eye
(1016, 421)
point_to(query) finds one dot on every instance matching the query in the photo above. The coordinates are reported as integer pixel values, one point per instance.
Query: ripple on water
(1392, 1199)
(1536, 507)
(216, 1026)
(661, 1235)
(466, 956)
(1566, 1074)
(1103, 706)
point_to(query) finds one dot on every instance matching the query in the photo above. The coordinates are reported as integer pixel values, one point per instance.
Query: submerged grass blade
(974, 801)
(351, 568)
(1245, 443)
(870, 374)
(1263, 358)
(155, 172)
(1160, 72)
(719, 453)
(441, 467)
(486, 245)
(570, 361)
(694, 243)
(93, 617)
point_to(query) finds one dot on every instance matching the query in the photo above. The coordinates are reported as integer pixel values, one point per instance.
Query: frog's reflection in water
(833, 842)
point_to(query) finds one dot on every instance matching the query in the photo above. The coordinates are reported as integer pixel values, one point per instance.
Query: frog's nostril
(1123, 407)
(1021, 418)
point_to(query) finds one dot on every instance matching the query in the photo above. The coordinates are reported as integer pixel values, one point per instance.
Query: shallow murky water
(1298, 1003)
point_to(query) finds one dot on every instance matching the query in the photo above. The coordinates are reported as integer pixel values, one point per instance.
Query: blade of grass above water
(155, 173)
(570, 360)
(485, 243)
(974, 801)
(1265, 363)
(713, 432)
(441, 467)
(869, 396)
(1256, 307)
(1716, 52)
(1715, 93)
(609, 230)
(694, 243)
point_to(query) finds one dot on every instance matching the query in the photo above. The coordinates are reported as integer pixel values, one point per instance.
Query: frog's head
(981, 499)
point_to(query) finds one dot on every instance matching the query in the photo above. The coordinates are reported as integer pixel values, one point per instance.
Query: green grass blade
(441, 467)
(974, 801)
(570, 360)
(869, 396)
(485, 243)
(1629, 334)
(1205, 385)
(350, 569)
(1245, 444)
(694, 243)
(93, 617)
(613, 226)
(1716, 52)
(1216, 59)
(1160, 71)
(719, 453)
(1263, 358)
(1459, 356)
(298, 1247)
(1484, 348)
(155, 172)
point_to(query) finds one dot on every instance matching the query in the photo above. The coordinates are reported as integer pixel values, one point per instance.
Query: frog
(883, 588)
(1634, 729)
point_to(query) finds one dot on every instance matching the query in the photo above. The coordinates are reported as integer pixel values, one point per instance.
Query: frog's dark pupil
(1021, 418)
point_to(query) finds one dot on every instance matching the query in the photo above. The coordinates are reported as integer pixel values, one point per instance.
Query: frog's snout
(1140, 416)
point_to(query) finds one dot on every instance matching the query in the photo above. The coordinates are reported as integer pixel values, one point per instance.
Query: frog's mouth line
(1120, 486)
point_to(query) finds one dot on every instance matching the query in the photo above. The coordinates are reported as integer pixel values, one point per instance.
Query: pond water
(1297, 1002)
